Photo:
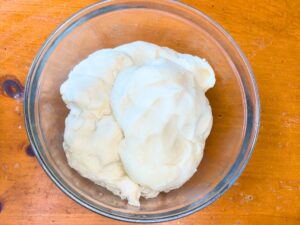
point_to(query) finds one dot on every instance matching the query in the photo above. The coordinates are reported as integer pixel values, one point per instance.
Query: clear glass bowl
(234, 101)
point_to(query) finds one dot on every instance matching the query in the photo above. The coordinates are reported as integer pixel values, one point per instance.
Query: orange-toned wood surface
(267, 193)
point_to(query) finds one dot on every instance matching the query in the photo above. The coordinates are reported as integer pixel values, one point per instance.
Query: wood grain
(268, 192)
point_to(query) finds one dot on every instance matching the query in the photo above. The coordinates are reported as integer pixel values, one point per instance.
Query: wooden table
(268, 192)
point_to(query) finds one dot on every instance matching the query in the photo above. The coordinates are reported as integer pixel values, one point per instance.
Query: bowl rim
(235, 173)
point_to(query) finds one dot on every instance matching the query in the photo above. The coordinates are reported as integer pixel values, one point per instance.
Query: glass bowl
(234, 101)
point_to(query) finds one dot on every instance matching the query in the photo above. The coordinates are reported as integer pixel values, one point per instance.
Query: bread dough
(138, 118)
